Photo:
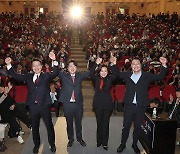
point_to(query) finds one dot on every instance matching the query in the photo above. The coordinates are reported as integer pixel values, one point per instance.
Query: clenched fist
(8, 60)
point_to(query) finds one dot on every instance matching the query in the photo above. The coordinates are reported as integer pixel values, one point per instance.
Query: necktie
(101, 83)
(73, 97)
(36, 81)
(37, 78)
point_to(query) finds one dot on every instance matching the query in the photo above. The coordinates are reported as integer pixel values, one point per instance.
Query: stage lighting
(76, 11)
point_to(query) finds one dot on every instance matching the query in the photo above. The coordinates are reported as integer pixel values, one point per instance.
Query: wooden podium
(158, 135)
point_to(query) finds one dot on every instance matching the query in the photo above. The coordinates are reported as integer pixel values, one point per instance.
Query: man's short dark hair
(73, 61)
(155, 101)
(36, 59)
(136, 58)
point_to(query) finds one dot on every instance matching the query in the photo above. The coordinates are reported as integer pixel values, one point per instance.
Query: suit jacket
(141, 87)
(176, 113)
(5, 112)
(102, 99)
(68, 86)
(40, 90)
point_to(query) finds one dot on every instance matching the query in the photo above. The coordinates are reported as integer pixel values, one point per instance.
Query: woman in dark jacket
(102, 101)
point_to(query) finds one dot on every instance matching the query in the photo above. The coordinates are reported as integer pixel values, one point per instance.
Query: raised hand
(163, 61)
(171, 98)
(52, 56)
(6, 90)
(8, 60)
(113, 60)
(98, 60)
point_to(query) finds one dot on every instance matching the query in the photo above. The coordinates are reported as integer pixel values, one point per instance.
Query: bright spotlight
(76, 11)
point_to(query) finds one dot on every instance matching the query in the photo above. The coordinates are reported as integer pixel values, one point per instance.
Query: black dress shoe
(98, 144)
(53, 148)
(36, 149)
(82, 143)
(105, 147)
(121, 148)
(136, 149)
(70, 143)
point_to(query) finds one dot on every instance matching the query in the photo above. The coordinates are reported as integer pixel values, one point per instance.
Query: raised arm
(11, 71)
(4, 95)
(115, 70)
(163, 70)
(55, 72)
(93, 69)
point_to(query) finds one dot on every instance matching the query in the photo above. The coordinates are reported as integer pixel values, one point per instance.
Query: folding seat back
(21, 93)
(119, 92)
(154, 92)
(167, 90)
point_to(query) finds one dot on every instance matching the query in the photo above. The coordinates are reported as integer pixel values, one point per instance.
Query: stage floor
(89, 135)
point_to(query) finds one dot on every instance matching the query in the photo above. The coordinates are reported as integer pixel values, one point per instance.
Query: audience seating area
(154, 91)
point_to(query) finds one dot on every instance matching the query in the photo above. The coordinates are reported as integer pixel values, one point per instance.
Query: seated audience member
(7, 105)
(2, 132)
(175, 80)
(151, 69)
(62, 64)
(145, 65)
(46, 68)
(20, 111)
(155, 63)
(176, 70)
(154, 103)
(54, 93)
(126, 66)
(174, 109)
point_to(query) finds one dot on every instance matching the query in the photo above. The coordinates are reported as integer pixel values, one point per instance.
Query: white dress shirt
(135, 78)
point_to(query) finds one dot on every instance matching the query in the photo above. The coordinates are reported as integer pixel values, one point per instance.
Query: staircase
(87, 88)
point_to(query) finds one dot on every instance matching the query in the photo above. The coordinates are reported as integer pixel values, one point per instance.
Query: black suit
(41, 91)
(136, 112)
(8, 116)
(103, 105)
(72, 110)
(175, 111)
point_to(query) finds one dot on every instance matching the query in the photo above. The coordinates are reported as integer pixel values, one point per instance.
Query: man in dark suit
(72, 99)
(38, 99)
(136, 98)
(174, 109)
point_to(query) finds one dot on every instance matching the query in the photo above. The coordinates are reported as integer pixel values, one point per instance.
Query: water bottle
(154, 113)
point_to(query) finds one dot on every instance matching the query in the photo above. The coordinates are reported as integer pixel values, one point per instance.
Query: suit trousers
(73, 112)
(102, 119)
(132, 113)
(36, 112)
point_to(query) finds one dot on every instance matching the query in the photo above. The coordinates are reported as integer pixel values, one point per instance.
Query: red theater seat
(119, 92)
(154, 92)
(120, 64)
(21, 94)
(167, 90)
